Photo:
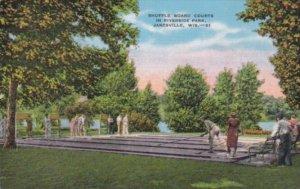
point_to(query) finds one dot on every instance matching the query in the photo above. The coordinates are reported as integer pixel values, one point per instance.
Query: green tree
(287, 69)
(119, 91)
(224, 93)
(211, 109)
(146, 107)
(39, 54)
(120, 81)
(141, 123)
(86, 108)
(272, 106)
(148, 104)
(186, 89)
(58, 106)
(279, 20)
(247, 101)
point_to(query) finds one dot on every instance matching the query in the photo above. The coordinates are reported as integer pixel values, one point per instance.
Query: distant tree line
(187, 98)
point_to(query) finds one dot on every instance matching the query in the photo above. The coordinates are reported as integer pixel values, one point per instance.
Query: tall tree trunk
(10, 131)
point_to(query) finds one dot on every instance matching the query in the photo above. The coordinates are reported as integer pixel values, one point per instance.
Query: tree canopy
(186, 89)
(247, 99)
(39, 55)
(145, 115)
(272, 106)
(279, 20)
(224, 94)
(120, 96)
(119, 89)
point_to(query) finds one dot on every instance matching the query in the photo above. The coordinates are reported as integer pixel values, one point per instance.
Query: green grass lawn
(50, 168)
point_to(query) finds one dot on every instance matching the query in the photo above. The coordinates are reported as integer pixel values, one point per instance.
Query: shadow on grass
(223, 183)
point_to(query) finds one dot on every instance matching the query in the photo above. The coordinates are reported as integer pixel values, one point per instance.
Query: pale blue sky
(224, 12)
(228, 43)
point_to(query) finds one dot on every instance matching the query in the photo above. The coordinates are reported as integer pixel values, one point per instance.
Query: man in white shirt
(119, 124)
(213, 130)
(48, 125)
(283, 132)
(81, 125)
(125, 125)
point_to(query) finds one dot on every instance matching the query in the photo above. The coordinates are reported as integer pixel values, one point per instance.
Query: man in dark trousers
(110, 125)
(29, 126)
(283, 132)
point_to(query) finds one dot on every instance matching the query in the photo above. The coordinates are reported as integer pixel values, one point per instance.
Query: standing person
(29, 126)
(100, 123)
(232, 134)
(73, 126)
(273, 134)
(119, 124)
(293, 123)
(2, 126)
(125, 125)
(213, 130)
(81, 125)
(48, 126)
(283, 132)
(110, 124)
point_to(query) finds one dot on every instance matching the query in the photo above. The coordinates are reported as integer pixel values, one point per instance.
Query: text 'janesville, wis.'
(181, 20)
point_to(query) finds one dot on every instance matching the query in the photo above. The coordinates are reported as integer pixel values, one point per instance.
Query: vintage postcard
(149, 94)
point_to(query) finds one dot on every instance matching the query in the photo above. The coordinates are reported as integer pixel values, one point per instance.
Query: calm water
(265, 125)
(163, 127)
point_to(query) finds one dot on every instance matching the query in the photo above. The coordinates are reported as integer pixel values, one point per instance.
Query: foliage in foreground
(40, 58)
(279, 20)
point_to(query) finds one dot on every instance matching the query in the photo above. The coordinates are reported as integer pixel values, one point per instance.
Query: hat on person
(280, 115)
(203, 117)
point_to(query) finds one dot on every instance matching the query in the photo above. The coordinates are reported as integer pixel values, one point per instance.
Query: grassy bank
(50, 168)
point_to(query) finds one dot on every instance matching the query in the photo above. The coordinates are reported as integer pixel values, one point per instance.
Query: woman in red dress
(232, 134)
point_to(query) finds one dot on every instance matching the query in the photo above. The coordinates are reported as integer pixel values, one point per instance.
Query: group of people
(3, 123)
(213, 130)
(284, 133)
(29, 126)
(122, 125)
(77, 126)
